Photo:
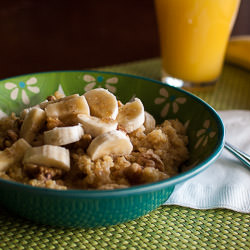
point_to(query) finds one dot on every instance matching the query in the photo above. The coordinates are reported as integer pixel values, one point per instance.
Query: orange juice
(194, 35)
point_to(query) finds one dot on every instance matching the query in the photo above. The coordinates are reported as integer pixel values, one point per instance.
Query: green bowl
(108, 207)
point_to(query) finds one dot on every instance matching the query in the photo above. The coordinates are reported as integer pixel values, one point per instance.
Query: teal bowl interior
(101, 208)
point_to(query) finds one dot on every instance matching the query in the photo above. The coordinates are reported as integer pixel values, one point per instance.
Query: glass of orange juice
(193, 39)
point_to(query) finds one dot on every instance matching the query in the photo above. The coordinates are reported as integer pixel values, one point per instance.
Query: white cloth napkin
(226, 183)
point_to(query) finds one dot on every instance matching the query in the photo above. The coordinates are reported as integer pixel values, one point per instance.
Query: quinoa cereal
(68, 142)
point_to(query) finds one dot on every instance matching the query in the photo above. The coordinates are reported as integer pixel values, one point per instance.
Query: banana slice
(63, 135)
(48, 155)
(131, 115)
(67, 107)
(111, 143)
(149, 123)
(96, 126)
(33, 122)
(102, 103)
(13, 154)
(45, 103)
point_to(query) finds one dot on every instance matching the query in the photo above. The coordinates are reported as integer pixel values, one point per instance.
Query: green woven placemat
(168, 227)
(232, 90)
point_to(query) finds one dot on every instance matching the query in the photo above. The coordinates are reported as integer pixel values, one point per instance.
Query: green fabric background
(168, 227)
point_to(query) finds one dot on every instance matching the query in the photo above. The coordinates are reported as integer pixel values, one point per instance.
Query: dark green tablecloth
(168, 227)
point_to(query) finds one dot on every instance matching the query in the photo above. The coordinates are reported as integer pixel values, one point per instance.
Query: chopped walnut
(137, 174)
(38, 141)
(133, 173)
(56, 97)
(53, 123)
(18, 124)
(12, 135)
(43, 172)
(51, 98)
(83, 143)
(151, 160)
(8, 139)
(7, 143)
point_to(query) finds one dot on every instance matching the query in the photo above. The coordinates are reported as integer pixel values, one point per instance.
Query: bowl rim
(139, 189)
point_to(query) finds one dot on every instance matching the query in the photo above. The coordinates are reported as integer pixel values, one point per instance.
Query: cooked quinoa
(157, 154)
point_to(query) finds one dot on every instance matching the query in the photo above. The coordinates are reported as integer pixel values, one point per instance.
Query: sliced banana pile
(96, 113)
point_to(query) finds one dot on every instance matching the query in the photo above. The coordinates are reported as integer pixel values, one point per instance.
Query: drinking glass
(193, 39)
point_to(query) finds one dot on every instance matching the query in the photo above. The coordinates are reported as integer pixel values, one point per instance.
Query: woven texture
(168, 227)
(232, 90)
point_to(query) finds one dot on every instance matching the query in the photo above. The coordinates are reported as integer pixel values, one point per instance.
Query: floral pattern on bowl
(204, 128)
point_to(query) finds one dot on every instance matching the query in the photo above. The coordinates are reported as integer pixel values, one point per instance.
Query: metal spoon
(243, 157)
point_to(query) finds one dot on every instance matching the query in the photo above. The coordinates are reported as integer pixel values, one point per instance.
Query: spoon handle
(243, 157)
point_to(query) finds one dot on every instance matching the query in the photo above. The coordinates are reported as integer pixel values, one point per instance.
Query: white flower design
(2, 114)
(175, 101)
(204, 134)
(23, 87)
(99, 82)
